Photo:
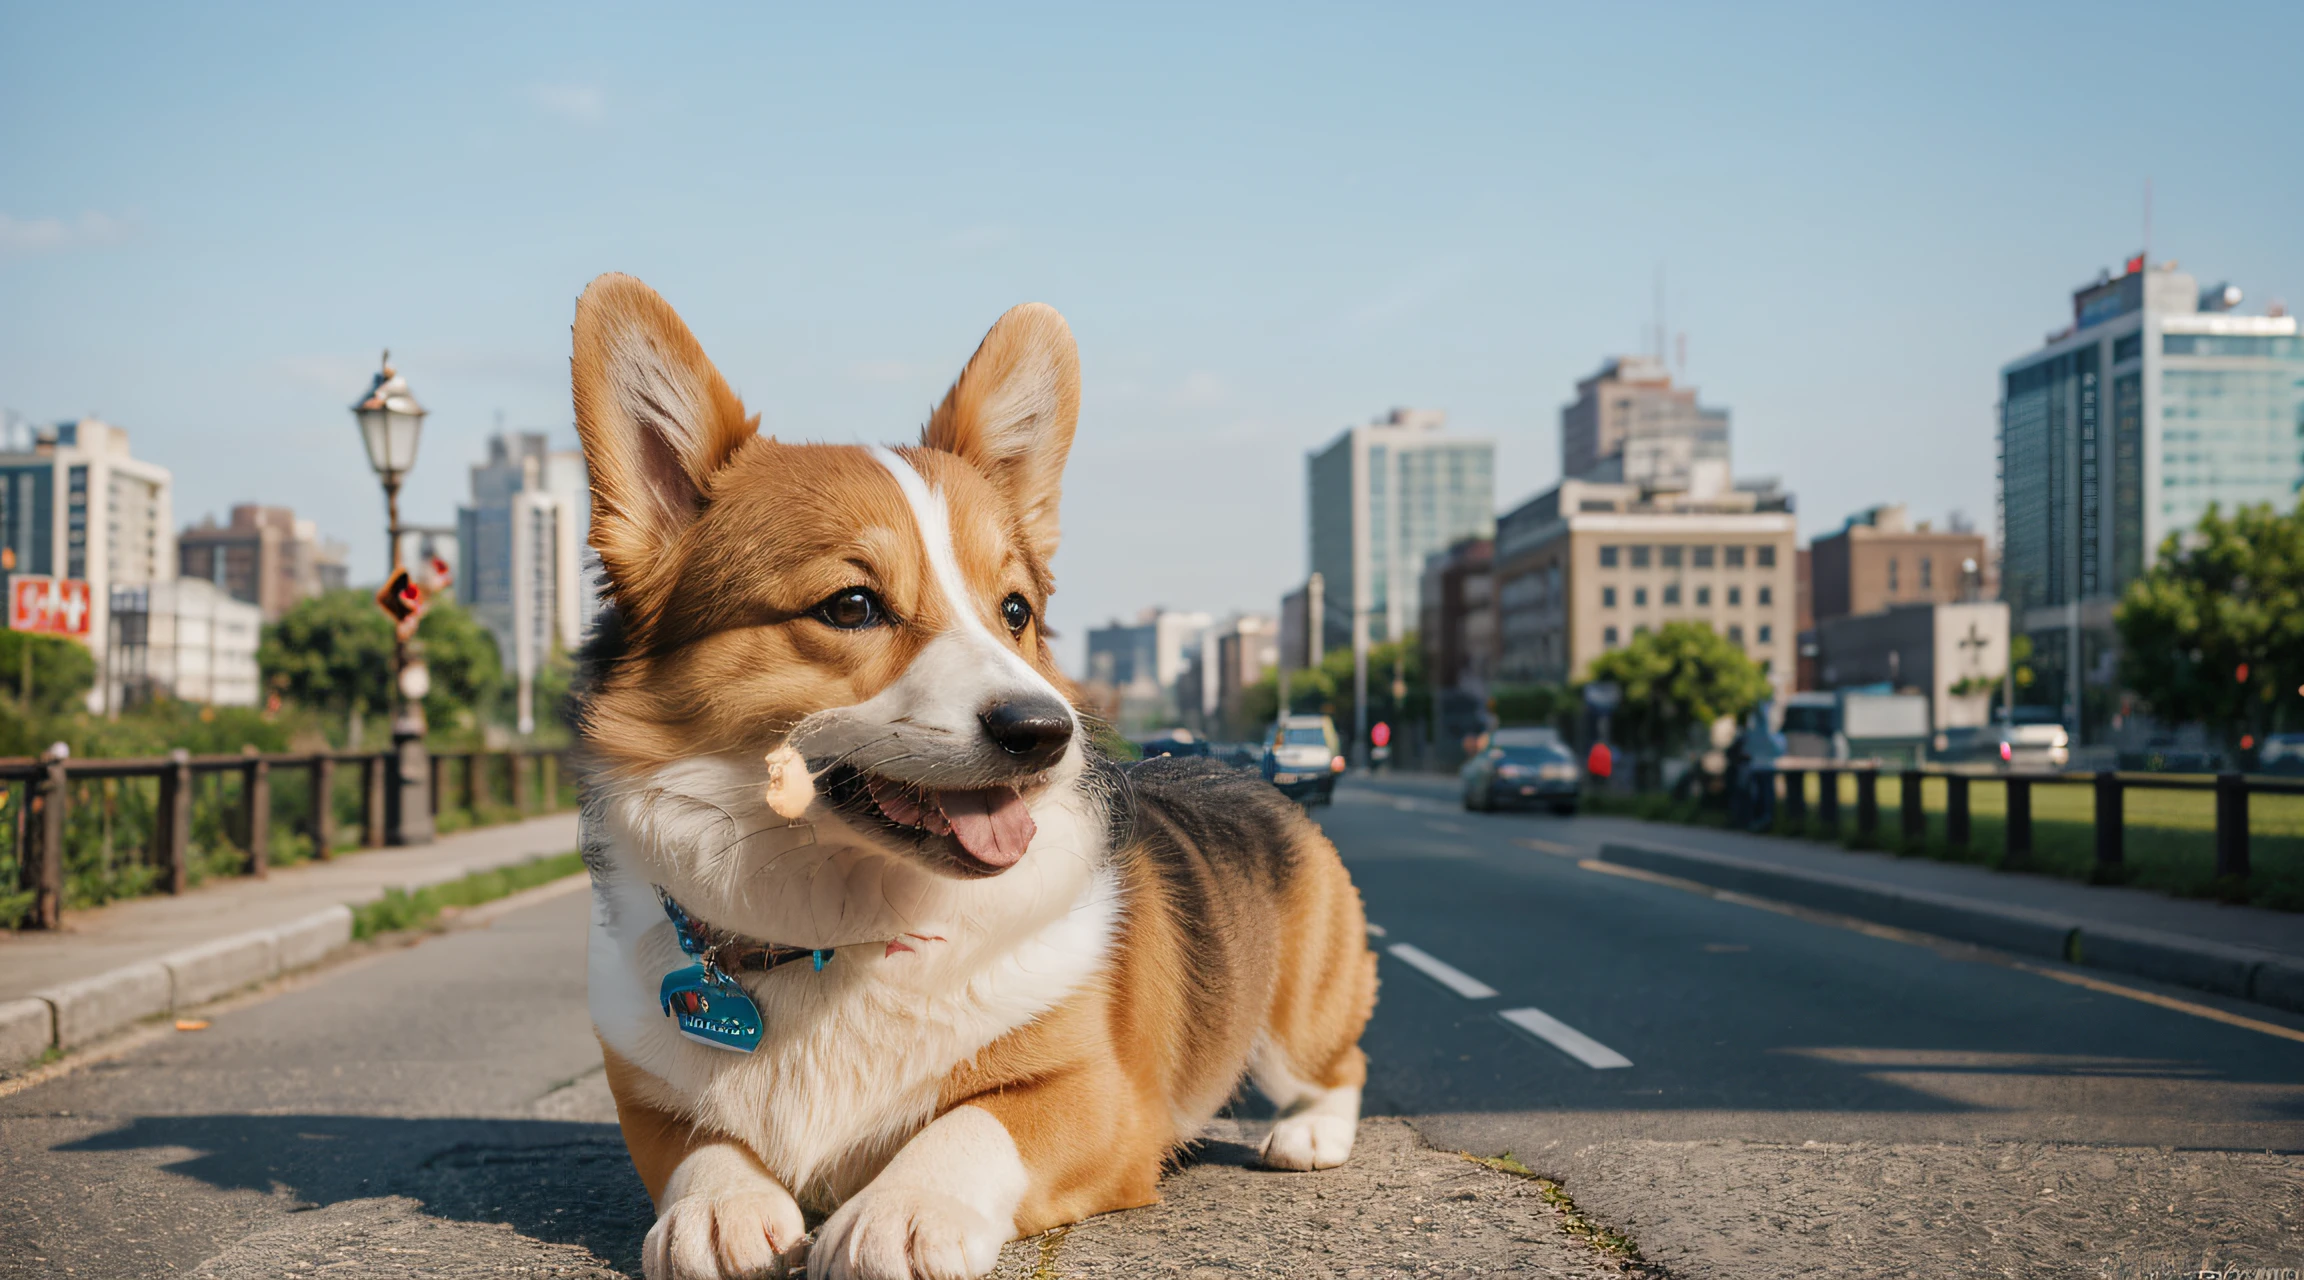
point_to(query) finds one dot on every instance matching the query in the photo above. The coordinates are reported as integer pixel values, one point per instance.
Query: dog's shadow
(560, 1181)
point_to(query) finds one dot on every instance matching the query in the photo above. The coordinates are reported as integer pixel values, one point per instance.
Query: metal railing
(2231, 791)
(530, 783)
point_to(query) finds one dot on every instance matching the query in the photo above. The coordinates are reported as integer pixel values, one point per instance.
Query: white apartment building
(522, 560)
(187, 639)
(74, 503)
(1382, 499)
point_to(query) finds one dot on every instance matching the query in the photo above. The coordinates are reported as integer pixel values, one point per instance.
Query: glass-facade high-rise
(1382, 498)
(2157, 402)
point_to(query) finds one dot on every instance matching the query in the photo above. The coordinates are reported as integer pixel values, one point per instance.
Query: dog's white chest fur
(852, 1057)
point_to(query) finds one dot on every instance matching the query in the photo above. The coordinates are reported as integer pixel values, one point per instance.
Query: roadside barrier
(39, 795)
(2231, 792)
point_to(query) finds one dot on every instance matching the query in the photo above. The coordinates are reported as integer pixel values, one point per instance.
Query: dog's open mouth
(981, 831)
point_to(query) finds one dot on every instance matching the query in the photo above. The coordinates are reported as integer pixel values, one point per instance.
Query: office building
(1220, 665)
(264, 556)
(1955, 654)
(1630, 425)
(522, 560)
(1584, 567)
(1459, 635)
(2158, 399)
(1881, 558)
(188, 639)
(75, 504)
(1300, 630)
(1143, 663)
(1383, 498)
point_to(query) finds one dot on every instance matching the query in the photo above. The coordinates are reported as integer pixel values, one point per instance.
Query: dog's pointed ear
(1012, 412)
(656, 420)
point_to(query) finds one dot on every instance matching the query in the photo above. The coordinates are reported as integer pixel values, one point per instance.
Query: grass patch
(1572, 1219)
(399, 909)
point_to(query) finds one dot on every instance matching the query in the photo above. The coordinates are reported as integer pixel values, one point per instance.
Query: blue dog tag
(711, 1010)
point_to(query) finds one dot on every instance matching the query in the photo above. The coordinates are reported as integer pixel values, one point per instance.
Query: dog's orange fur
(716, 539)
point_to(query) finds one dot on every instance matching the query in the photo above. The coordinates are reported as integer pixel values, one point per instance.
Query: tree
(1530, 704)
(2213, 633)
(1327, 689)
(63, 671)
(333, 651)
(1674, 681)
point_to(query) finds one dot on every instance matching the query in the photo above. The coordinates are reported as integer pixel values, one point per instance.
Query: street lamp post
(390, 423)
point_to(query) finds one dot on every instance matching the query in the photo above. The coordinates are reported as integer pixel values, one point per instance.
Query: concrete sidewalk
(2235, 950)
(117, 964)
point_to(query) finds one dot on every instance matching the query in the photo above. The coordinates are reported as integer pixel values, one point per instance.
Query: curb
(2265, 977)
(73, 1013)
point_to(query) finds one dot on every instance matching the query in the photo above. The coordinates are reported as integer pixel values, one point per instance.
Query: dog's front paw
(1309, 1141)
(746, 1234)
(903, 1234)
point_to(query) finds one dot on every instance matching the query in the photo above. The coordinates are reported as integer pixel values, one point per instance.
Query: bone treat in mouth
(790, 789)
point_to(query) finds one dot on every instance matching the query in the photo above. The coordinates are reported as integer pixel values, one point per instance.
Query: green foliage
(1327, 689)
(334, 651)
(1518, 705)
(399, 909)
(1676, 680)
(2214, 632)
(63, 671)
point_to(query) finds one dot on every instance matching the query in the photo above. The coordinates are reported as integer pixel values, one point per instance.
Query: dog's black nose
(1034, 730)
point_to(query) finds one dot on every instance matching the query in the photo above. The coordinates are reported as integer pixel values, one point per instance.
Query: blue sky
(1264, 223)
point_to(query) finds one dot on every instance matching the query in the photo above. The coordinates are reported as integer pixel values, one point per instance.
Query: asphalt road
(1802, 1099)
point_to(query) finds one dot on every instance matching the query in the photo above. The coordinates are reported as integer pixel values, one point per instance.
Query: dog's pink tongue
(991, 823)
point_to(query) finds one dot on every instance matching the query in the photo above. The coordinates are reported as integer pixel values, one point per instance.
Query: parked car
(1303, 756)
(1182, 742)
(2010, 746)
(1240, 755)
(2282, 753)
(1512, 775)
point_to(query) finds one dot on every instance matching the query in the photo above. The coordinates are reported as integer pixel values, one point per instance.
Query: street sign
(54, 606)
(1603, 695)
(1380, 734)
(403, 601)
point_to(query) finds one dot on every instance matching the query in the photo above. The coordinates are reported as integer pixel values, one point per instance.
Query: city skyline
(210, 251)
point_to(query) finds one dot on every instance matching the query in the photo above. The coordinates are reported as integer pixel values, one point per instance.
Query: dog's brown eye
(850, 609)
(1016, 611)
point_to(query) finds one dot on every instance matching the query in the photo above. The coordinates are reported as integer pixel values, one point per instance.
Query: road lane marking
(2209, 1012)
(1565, 1038)
(1942, 946)
(1375, 930)
(1440, 971)
(1552, 847)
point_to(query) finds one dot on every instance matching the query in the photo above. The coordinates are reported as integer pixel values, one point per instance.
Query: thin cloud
(1408, 297)
(1201, 389)
(579, 103)
(50, 235)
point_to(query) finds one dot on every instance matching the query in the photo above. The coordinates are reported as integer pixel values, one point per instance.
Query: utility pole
(1359, 685)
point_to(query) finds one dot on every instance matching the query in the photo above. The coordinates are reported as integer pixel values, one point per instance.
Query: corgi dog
(878, 937)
